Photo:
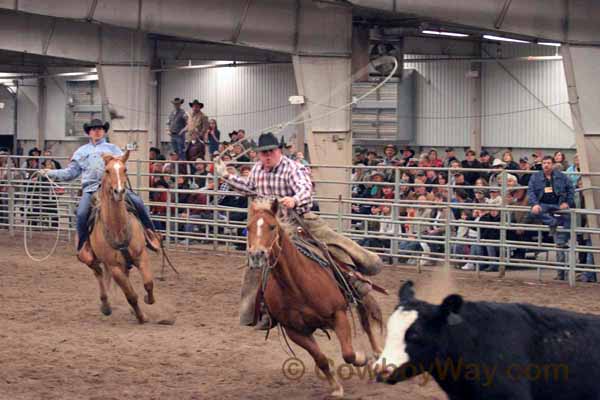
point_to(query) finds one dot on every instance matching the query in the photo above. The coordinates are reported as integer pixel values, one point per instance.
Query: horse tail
(368, 310)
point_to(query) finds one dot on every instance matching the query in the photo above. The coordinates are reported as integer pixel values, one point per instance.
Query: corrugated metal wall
(7, 111)
(249, 97)
(514, 114)
(443, 100)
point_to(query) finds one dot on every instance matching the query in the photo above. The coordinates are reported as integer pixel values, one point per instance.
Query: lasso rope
(294, 121)
(38, 174)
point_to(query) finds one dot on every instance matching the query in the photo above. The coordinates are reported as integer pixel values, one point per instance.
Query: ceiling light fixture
(504, 39)
(442, 33)
(549, 44)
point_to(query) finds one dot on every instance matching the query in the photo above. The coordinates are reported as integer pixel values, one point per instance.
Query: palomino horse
(118, 235)
(303, 296)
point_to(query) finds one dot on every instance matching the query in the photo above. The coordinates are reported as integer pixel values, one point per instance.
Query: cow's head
(417, 333)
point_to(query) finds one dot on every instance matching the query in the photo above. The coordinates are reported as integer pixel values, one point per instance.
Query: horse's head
(115, 175)
(263, 232)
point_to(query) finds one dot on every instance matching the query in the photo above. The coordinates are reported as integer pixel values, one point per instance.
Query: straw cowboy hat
(95, 123)
(177, 100)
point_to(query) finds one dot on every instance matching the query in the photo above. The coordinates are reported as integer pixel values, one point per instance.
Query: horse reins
(165, 256)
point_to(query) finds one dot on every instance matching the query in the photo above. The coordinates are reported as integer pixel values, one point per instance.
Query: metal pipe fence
(198, 211)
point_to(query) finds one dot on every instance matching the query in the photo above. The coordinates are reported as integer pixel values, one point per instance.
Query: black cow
(486, 350)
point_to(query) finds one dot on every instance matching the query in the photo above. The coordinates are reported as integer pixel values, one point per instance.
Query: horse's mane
(264, 204)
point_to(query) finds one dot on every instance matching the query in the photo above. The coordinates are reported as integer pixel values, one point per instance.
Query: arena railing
(222, 228)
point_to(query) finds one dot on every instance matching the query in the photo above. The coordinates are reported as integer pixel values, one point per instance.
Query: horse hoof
(147, 300)
(337, 394)
(106, 310)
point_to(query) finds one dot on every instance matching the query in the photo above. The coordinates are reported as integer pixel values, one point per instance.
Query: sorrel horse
(118, 234)
(301, 295)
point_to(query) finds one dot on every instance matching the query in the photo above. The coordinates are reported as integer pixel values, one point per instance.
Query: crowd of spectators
(421, 181)
(195, 141)
(421, 224)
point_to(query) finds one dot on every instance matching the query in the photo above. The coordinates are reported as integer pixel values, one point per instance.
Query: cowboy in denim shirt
(87, 162)
(550, 191)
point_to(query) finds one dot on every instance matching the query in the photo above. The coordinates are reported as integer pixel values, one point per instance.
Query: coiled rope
(35, 178)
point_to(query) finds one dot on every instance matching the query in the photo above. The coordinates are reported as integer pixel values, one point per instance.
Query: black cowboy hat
(95, 123)
(34, 150)
(268, 141)
(177, 100)
(197, 102)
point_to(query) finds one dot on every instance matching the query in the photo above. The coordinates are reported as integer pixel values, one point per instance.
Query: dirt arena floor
(55, 344)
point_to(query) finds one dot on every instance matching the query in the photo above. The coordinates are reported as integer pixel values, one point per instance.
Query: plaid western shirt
(286, 179)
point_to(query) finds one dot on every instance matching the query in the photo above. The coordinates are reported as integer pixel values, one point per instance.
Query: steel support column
(326, 84)
(126, 102)
(582, 68)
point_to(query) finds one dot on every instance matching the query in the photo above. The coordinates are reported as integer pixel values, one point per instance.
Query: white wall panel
(514, 99)
(7, 111)
(27, 112)
(442, 103)
(249, 97)
(512, 116)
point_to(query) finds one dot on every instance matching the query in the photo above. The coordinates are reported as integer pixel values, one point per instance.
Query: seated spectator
(488, 233)
(300, 158)
(390, 158)
(573, 169)
(385, 227)
(195, 148)
(459, 180)
(360, 157)
(485, 161)
(549, 192)
(450, 157)
(518, 198)
(510, 164)
(434, 159)
(160, 197)
(524, 165)
(153, 153)
(407, 155)
(416, 228)
(470, 162)
(560, 161)
(212, 136)
(198, 179)
(461, 249)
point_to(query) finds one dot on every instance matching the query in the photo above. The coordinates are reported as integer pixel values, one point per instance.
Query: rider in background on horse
(87, 161)
(277, 175)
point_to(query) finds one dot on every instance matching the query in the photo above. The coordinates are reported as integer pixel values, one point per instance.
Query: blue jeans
(480, 251)
(85, 208)
(546, 216)
(178, 145)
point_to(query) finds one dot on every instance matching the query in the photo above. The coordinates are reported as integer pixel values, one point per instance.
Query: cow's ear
(450, 309)
(406, 293)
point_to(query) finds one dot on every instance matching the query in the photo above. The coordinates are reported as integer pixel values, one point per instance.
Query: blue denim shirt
(563, 188)
(87, 162)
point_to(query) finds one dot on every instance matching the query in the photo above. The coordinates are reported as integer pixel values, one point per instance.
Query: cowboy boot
(153, 239)
(265, 322)
(85, 254)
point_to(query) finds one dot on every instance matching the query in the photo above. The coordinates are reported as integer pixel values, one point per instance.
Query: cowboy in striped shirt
(278, 176)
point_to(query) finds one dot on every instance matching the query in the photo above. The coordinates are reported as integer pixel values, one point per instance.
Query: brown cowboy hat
(177, 100)
(95, 123)
(197, 102)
